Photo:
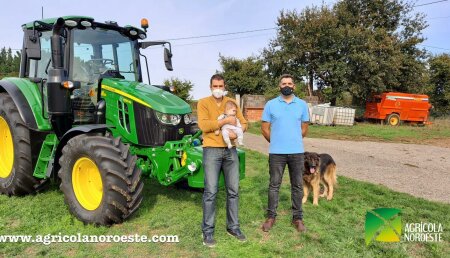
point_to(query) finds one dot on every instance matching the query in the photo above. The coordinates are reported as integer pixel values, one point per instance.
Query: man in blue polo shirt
(284, 124)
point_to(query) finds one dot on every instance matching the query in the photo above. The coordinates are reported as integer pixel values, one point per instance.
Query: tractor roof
(51, 21)
(47, 24)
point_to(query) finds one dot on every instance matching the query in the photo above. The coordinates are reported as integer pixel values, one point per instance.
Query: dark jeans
(277, 163)
(215, 160)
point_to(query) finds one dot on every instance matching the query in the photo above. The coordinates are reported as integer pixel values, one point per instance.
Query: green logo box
(383, 225)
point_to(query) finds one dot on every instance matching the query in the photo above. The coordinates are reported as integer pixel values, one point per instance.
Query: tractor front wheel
(100, 180)
(16, 176)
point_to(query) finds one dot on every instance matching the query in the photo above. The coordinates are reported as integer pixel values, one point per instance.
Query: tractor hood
(154, 97)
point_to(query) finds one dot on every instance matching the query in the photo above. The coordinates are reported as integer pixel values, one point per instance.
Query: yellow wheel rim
(6, 149)
(393, 121)
(87, 183)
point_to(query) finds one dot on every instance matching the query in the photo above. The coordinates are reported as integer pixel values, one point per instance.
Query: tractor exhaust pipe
(56, 42)
(59, 104)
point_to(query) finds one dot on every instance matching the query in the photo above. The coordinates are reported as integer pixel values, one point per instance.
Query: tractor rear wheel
(100, 180)
(393, 119)
(16, 176)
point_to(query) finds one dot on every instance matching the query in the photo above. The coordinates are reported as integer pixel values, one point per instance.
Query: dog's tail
(330, 174)
(328, 168)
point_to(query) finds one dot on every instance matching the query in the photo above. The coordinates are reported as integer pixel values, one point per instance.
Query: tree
(9, 63)
(182, 88)
(300, 42)
(244, 76)
(387, 56)
(356, 46)
(440, 83)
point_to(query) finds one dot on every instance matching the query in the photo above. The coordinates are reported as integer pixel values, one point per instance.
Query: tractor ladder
(45, 160)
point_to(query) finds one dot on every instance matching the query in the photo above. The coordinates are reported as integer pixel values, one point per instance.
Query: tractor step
(46, 155)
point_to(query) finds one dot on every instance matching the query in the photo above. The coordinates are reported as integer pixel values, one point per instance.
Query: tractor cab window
(95, 52)
(37, 68)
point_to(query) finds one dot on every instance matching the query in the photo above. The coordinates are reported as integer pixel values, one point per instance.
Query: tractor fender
(21, 103)
(83, 129)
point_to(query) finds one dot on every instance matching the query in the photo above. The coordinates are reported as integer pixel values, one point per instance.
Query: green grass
(440, 129)
(336, 228)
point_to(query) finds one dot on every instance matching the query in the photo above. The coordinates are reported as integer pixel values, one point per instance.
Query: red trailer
(394, 107)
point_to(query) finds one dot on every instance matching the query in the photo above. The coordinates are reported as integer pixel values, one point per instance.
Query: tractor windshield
(96, 51)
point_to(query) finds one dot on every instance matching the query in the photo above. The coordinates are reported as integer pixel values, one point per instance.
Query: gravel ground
(420, 170)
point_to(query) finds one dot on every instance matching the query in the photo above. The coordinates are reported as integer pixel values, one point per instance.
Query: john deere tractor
(79, 114)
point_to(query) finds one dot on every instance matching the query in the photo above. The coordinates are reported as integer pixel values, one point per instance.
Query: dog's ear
(317, 157)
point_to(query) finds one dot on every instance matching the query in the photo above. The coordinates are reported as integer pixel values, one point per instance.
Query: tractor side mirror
(32, 45)
(168, 59)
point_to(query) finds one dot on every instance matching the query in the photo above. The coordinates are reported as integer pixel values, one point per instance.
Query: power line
(448, 49)
(445, 17)
(435, 2)
(221, 40)
(221, 34)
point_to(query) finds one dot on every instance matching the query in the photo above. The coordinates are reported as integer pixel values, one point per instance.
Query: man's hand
(228, 120)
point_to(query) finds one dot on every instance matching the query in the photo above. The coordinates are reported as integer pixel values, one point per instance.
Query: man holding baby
(219, 155)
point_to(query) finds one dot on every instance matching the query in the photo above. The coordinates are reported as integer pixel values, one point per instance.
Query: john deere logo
(383, 225)
(181, 131)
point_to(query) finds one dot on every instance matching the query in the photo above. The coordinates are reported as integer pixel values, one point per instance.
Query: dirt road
(420, 170)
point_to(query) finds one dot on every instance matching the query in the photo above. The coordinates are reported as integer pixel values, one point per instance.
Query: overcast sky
(196, 59)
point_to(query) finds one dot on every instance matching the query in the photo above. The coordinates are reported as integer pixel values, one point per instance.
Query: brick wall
(253, 114)
(253, 107)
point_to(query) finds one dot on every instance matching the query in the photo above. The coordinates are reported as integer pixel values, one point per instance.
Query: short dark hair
(286, 75)
(218, 77)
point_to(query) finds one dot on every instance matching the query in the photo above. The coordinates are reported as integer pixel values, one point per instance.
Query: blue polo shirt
(286, 124)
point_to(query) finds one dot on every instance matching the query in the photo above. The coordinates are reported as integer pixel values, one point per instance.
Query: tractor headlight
(86, 23)
(70, 23)
(142, 36)
(187, 119)
(168, 119)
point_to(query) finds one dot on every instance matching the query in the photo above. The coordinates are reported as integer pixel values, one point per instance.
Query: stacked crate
(344, 116)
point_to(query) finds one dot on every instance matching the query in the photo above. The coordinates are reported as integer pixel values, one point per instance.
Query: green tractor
(79, 114)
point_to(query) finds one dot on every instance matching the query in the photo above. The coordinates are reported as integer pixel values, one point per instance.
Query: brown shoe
(298, 224)
(266, 226)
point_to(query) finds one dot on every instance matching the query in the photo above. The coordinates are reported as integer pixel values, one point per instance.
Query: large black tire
(121, 183)
(16, 171)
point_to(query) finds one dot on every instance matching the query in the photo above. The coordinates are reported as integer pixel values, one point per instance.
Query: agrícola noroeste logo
(385, 225)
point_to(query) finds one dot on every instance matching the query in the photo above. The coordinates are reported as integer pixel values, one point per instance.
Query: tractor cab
(92, 51)
(89, 52)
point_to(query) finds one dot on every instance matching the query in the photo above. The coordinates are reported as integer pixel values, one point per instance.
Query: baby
(231, 110)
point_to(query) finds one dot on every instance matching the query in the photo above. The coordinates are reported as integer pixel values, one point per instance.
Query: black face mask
(286, 91)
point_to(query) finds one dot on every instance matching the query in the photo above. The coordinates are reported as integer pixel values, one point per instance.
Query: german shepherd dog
(319, 168)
